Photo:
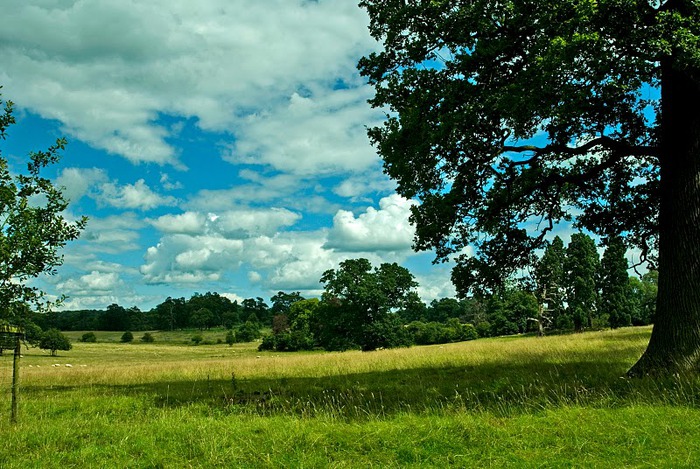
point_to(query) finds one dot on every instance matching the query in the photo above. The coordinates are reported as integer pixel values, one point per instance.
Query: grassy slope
(558, 402)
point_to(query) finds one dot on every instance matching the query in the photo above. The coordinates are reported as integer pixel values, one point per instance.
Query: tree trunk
(675, 340)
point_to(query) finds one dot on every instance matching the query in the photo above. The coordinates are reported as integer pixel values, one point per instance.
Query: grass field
(559, 401)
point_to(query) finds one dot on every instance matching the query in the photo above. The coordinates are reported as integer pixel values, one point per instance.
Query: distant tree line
(367, 307)
(569, 288)
(201, 311)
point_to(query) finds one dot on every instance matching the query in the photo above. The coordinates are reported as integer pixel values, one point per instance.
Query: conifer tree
(615, 294)
(581, 266)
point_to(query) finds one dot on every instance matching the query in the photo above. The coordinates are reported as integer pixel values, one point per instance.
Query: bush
(148, 338)
(469, 332)
(287, 342)
(230, 338)
(484, 329)
(53, 340)
(197, 339)
(127, 337)
(88, 337)
(248, 332)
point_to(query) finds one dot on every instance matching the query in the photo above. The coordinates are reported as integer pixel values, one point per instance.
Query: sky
(216, 146)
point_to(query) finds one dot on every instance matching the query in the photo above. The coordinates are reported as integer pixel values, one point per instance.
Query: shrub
(148, 338)
(484, 329)
(127, 337)
(197, 339)
(248, 332)
(230, 338)
(287, 342)
(88, 337)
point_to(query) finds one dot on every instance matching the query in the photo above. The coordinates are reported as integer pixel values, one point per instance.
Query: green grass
(554, 402)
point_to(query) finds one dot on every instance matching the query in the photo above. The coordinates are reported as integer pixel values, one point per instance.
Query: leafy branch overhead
(33, 227)
(468, 86)
(507, 118)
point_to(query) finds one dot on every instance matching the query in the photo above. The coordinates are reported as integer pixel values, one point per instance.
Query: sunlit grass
(561, 400)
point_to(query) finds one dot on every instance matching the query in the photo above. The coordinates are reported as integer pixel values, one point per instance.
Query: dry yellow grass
(125, 364)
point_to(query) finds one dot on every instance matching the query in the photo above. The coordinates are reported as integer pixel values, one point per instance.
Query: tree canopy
(33, 228)
(506, 118)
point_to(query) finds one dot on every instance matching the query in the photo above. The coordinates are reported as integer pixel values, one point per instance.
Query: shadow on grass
(506, 388)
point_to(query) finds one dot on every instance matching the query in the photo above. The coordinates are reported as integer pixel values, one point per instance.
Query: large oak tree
(471, 86)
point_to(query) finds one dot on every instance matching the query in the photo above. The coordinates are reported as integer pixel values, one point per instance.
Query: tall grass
(523, 401)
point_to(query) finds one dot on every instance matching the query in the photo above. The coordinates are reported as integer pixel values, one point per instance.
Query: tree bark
(674, 346)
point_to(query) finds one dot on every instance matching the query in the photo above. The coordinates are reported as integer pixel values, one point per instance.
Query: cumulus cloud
(94, 283)
(112, 234)
(78, 182)
(318, 134)
(386, 229)
(181, 258)
(117, 66)
(133, 196)
(238, 223)
(187, 222)
(277, 259)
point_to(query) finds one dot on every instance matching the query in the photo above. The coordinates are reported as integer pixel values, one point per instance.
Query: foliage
(468, 86)
(550, 282)
(506, 119)
(197, 339)
(88, 337)
(202, 318)
(248, 332)
(440, 333)
(54, 341)
(33, 229)
(127, 337)
(615, 293)
(282, 302)
(643, 293)
(148, 338)
(358, 300)
(582, 265)
(230, 338)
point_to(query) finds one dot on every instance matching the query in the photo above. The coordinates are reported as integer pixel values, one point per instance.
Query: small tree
(33, 229)
(197, 338)
(148, 338)
(88, 337)
(230, 338)
(127, 337)
(53, 340)
(248, 331)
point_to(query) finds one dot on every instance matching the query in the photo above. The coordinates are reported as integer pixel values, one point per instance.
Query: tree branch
(605, 142)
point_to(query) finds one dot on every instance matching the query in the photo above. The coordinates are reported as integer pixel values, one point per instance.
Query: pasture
(559, 401)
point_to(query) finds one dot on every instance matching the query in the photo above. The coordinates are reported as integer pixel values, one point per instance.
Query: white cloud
(116, 66)
(319, 134)
(357, 186)
(78, 182)
(238, 223)
(94, 283)
(386, 229)
(247, 222)
(133, 196)
(187, 222)
(112, 234)
(181, 258)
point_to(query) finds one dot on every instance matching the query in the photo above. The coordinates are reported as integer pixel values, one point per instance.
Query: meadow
(558, 401)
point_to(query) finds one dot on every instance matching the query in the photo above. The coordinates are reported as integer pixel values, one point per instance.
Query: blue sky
(216, 145)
